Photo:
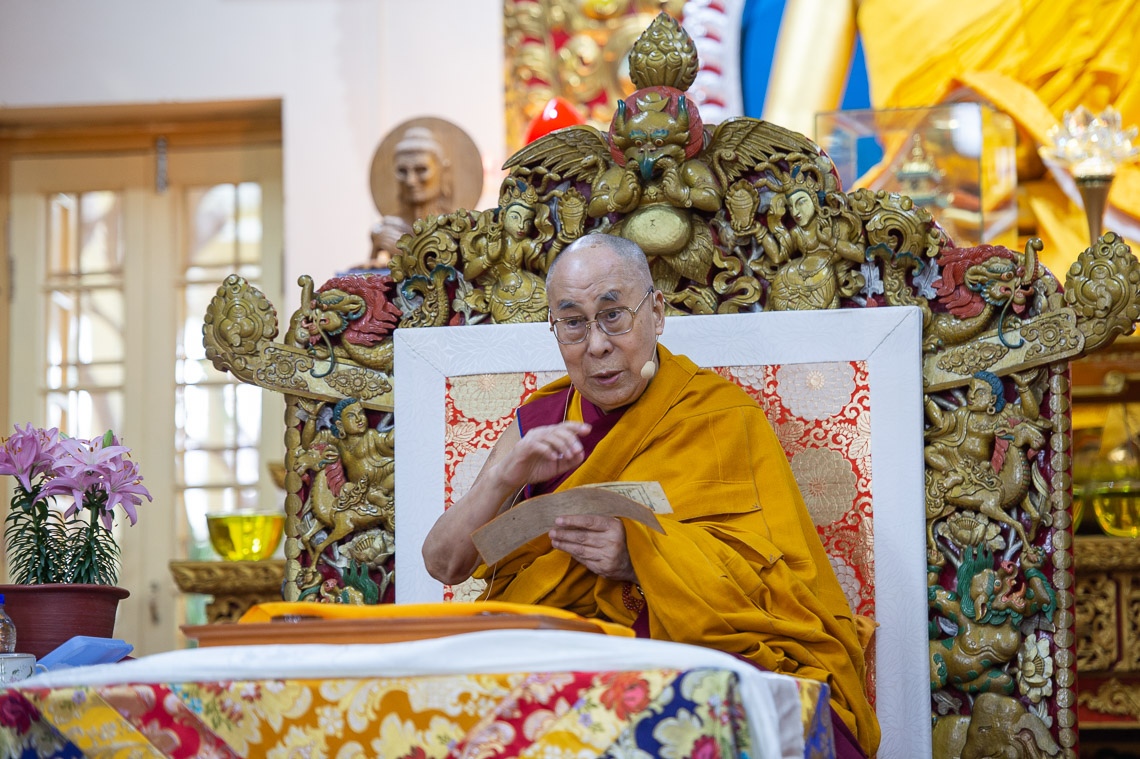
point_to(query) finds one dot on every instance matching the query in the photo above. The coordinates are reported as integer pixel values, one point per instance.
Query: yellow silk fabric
(1033, 59)
(740, 567)
(267, 611)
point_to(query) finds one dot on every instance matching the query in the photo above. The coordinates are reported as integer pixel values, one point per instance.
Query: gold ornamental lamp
(1091, 147)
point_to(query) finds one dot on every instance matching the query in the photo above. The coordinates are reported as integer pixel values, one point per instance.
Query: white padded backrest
(886, 341)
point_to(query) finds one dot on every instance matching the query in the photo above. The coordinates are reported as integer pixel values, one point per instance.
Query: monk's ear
(658, 312)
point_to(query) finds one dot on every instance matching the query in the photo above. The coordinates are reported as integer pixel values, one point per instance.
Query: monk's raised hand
(595, 542)
(546, 452)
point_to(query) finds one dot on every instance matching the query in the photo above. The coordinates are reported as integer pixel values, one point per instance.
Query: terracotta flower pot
(48, 615)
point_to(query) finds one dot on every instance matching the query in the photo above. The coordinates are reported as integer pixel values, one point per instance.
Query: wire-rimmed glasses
(615, 321)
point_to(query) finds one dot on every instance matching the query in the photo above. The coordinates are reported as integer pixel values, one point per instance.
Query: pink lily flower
(124, 488)
(76, 486)
(28, 454)
(89, 456)
(97, 475)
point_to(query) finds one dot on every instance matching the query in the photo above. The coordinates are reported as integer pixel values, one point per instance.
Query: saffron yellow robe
(740, 567)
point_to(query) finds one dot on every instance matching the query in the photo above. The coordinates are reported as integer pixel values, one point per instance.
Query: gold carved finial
(663, 56)
(652, 101)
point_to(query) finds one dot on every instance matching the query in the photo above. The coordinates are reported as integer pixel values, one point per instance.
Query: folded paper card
(648, 493)
(639, 501)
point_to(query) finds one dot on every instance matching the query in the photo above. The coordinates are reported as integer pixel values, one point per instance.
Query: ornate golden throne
(737, 218)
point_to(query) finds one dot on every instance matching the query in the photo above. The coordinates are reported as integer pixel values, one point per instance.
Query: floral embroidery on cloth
(644, 713)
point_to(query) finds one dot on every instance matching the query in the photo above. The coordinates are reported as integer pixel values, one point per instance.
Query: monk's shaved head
(626, 251)
(599, 274)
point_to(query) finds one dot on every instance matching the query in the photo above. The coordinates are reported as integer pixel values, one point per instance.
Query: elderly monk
(739, 567)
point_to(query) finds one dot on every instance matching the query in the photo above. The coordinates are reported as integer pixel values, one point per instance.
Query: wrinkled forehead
(593, 274)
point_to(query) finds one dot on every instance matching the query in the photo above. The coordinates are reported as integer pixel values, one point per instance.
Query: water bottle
(7, 630)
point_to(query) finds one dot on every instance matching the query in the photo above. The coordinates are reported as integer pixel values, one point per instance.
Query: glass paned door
(220, 420)
(83, 287)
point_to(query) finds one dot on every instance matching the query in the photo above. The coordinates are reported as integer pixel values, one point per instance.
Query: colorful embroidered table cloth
(595, 712)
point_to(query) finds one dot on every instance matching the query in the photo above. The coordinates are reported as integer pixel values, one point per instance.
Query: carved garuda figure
(743, 216)
(657, 177)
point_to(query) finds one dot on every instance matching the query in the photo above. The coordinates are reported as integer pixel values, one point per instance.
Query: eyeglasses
(570, 330)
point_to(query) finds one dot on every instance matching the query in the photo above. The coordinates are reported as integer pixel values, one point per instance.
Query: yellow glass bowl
(1117, 506)
(245, 535)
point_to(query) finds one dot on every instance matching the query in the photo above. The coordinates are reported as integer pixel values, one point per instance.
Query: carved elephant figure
(999, 728)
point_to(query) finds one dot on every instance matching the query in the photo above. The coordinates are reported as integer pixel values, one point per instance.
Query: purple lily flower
(96, 475)
(89, 456)
(90, 472)
(75, 486)
(124, 487)
(28, 454)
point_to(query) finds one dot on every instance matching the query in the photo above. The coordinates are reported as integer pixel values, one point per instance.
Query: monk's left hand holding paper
(595, 542)
(583, 522)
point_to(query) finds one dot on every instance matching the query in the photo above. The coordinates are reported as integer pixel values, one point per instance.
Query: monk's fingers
(574, 428)
(555, 443)
(592, 523)
(546, 451)
(570, 432)
(575, 540)
(601, 541)
(583, 550)
(564, 459)
(605, 559)
(569, 444)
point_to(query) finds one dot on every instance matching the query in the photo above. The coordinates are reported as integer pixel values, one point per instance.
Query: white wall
(347, 71)
(447, 60)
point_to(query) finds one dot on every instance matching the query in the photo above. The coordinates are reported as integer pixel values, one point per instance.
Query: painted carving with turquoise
(356, 311)
(345, 468)
(979, 453)
(334, 366)
(986, 597)
(343, 453)
(996, 470)
(657, 177)
(998, 333)
(337, 343)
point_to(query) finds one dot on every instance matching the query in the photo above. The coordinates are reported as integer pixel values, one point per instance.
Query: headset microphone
(649, 368)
